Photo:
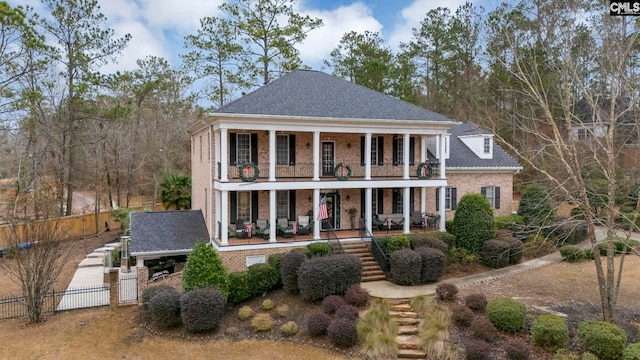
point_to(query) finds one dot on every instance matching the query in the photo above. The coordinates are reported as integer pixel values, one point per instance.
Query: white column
(442, 212)
(367, 157)
(216, 155)
(224, 217)
(217, 228)
(405, 158)
(443, 139)
(272, 216)
(423, 158)
(316, 223)
(368, 210)
(405, 210)
(316, 157)
(224, 161)
(272, 155)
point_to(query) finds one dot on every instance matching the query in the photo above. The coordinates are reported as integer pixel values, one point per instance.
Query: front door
(333, 204)
(328, 158)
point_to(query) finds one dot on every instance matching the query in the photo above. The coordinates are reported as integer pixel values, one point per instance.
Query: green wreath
(342, 171)
(424, 171)
(246, 169)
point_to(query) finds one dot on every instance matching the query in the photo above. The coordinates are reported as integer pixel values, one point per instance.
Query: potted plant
(352, 216)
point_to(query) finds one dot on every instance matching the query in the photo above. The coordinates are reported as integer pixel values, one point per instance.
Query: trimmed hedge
(343, 333)
(421, 240)
(319, 249)
(331, 303)
(322, 276)
(631, 352)
(289, 267)
(506, 222)
(348, 312)
(406, 266)
(515, 250)
(201, 309)
(317, 324)
(357, 296)
(275, 260)
(550, 332)
(149, 292)
(473, 222)
(603, 339)
(398, 242)
(506, 314)
(164, 307)
(261, 278)
(239, 289)
(495, 254)
(432, 264)
(204, 269)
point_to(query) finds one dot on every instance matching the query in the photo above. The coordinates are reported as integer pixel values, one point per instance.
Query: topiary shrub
(164, 307)
(289, 267)
(536, 206)
(149, 292)
(420, 240)
(517, 349)
(290, 328)
(262, 278)
(432, 261)
(239, 288)
(331, 303)
(550, 332)
(473, 222)
(343, 333)
(267, 304)
(571, 253)
(406, 266)
(631, 352)
(204, 269)
(245, 312)
(461, 315)
(348, 312)
(477, 350)
(317, 324)
(262, 322)
(447, 291)
(283, 310)
(275, 261)
(328, 275)
(495, 254)
(483, 329)
(201, 309)
(357, 296)
(605, 340)
(319, 249)
(506, 314)
(476, 301)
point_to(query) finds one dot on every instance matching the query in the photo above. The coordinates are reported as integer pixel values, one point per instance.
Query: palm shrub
(239, 288)
(261, 278)
(321, 276)
(432, 261)
(506, 314)
(536, 206)
(204, 269)
(550, 332)
(473, 222)
(406, 265)
(289, 266)
(201, 309)
(603, 339)
(175, 190)
(164, 307)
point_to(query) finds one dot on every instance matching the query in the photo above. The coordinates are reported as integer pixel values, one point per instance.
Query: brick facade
(235, 261)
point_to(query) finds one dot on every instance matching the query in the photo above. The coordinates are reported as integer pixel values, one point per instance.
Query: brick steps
(371, 271)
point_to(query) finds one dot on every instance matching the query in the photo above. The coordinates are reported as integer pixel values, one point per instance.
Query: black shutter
(363, 208)
(412, 148)
(254, 206)
(412, 200)
(395, 150)
(437, 199)
(454, 198)
(254, 148)
(292, 204)
(380, 150)
(394, 204)
(292, 149)
(362, 145)
(496, 199)
(380, 201)
(233, 201)
(232, 149)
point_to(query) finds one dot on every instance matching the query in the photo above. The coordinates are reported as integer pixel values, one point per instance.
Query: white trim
(152, 254)
(484, 169)
(329, 185)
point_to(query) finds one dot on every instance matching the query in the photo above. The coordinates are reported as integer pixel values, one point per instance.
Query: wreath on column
(342, 171)
(248, 172)
(424, 171)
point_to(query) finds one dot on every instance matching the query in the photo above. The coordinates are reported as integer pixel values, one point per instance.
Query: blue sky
(158, 27)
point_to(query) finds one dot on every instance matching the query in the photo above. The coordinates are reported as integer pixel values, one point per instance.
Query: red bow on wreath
(343, 169)
(247, 171)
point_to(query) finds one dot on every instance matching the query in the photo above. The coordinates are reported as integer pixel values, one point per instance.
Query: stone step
(403, 314)
(401, 307)
(407, 342)
(408, 330)
(406, 321)
(370, 266)
(377, 271)
(373, 278)
(398, 301)
(411, 354)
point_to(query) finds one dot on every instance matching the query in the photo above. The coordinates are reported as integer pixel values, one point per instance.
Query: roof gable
(163, 231)
(463, 156)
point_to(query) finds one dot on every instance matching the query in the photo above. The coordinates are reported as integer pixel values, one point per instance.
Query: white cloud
(182, 16)
(336, 22)
(143, 43)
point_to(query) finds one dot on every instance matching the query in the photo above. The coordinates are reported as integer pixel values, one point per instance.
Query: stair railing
(380, 256)
(333, 240)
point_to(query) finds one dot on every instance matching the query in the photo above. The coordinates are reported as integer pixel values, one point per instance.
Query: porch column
(224, 162)
(368, 210)
(316, 157)
(423, 190)
(443, 139)
(272, 216)
(217, 227)
(272, 155)
(316, 223)
(405, 209)
(224, 217)
(405, 157)
(367, 156)
(442, 209)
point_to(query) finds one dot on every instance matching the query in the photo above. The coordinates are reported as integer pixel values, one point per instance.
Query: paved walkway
(388, 290)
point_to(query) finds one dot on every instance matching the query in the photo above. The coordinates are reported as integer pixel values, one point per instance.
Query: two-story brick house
(308, 137)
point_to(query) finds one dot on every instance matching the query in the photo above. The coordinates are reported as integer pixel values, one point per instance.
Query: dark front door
(328, 158)
(331, 210)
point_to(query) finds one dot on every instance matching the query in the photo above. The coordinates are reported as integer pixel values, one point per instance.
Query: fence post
(113, 287)
(143, 280)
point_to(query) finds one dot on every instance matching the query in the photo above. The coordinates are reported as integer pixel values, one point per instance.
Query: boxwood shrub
(550, 332)
(447, 237)
(322, 276)
(473, 222)
(572, 253)
(406, 266)
(506, 314)
(495, 253)
(149, 292)
(603, 339)
(289, 266)
(201, 309)
(432, 261)
(319, 249)
(164, 307)
(262, 278)
(398, 242)
(631, 352)
(275, 260)
(239, 288)
(204, 269)
(420, 240)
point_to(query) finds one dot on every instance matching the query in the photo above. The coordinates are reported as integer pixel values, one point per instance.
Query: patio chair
(377, 224)
(417, 220)
(239, 231)
(432, 221)
(262, 228)
(284, 228)
(304, 226)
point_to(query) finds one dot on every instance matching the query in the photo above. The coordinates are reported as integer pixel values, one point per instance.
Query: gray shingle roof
(462, 157)
(309, 93)
(166, 230)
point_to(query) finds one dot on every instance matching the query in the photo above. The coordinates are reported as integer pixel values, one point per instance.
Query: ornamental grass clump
(378, 332)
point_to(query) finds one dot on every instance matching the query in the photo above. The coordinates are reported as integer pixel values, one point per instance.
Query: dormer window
(487, 145)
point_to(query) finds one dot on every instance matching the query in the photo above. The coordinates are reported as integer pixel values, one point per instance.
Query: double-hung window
(244, 206)
(243, 146)
(282, 149)
(374, 150)
(282, 204)
(487, 145)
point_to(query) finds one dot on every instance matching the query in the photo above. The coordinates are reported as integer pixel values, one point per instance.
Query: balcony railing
(304, 171)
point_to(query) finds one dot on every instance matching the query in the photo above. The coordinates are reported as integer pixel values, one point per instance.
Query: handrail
(383, 259)
(338, 246)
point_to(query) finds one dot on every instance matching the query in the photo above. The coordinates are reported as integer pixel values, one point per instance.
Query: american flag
(323, 212)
